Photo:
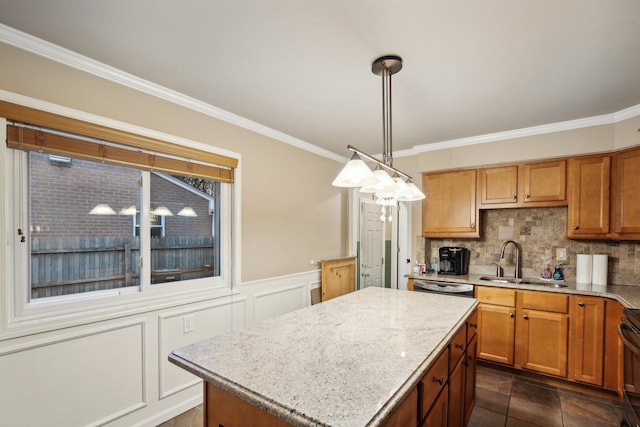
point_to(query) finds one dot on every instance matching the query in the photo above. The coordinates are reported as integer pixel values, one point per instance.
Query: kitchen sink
(536, 282)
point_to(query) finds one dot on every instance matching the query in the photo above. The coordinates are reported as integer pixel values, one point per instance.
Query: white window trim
(18, 317)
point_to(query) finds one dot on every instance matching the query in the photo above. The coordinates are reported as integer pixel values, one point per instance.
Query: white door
(371, 245)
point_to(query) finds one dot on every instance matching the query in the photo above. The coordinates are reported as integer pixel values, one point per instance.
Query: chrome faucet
(516, 273)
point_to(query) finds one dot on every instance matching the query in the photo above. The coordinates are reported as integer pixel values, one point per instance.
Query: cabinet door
(542, 340)
(627, 193)
(499, 185)
(437, 416)
(496, 332)
(544, 182)
(470, 379)
(587, 339)
(456, 395)
(449, 209)
(589, 197)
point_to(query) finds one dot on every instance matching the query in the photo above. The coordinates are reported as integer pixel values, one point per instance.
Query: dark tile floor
(508, 401)
(511, 401)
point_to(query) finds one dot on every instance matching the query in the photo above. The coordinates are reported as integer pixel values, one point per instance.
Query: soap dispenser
(558, 274)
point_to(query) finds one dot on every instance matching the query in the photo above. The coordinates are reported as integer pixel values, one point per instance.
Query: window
(102, 218)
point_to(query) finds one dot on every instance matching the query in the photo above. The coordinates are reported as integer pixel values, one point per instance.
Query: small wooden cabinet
(496, 324)
(462, 373)
(542, 332)
(405, 415)
(589, 197)
(626, 194)
(532, 184)
(587, 339)
(449, 209)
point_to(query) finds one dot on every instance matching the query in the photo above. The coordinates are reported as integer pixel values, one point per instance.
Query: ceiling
(303, 68)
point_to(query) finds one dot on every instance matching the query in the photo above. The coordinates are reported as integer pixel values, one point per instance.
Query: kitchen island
(350, 361)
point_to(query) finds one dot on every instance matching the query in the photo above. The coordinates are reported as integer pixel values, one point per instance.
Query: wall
(113, 370)
(539, 231)
(290, 212)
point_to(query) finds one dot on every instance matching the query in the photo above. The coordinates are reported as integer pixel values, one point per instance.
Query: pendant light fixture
(388, 184)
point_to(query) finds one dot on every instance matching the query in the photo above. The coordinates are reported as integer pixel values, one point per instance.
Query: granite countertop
(346, 362)
(628, 296)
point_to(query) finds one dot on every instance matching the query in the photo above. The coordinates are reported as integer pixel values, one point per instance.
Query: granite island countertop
(627, 295)
(345, 362)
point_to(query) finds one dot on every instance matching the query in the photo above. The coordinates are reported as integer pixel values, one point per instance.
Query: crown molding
(72, 59)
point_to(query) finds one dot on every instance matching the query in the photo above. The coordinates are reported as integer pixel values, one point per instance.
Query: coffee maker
(454, 261)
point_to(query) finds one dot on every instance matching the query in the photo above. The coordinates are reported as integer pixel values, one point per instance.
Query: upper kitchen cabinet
(533, 184)
(589, 197)
(626, 194)
(450, 209)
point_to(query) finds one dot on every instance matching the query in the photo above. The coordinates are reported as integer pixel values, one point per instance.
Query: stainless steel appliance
(442, 287)
(454, 260)
(629, 331)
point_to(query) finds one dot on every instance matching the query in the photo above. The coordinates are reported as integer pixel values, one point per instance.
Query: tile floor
(508, 401)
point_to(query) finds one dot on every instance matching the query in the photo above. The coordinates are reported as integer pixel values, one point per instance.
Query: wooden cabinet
(496, 324)
(470, 378)
(456, 412)
(589, 197)
(531, 184)
(613, 348)
(626, 194)
(587, 339)
(405, 415)
(542, 332)
(437, 416)
(449, 209)
(432, 383)
(338, 277)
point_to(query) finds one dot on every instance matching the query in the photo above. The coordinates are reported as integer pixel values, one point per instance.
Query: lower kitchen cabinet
(470, 378)
(437, 416)
(405, 415)
(496, 324)
(541, 342)
(587, 339)
(568, 336)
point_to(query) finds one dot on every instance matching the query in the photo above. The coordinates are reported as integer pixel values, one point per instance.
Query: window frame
(19, 316)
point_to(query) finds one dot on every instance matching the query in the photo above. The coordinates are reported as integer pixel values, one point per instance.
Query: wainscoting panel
(205, 320)
(86, 378)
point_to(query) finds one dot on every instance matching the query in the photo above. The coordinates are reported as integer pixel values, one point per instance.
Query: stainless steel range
(629, 331)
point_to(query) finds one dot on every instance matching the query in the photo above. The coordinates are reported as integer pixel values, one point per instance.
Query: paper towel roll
(584, 269)
(599, 274)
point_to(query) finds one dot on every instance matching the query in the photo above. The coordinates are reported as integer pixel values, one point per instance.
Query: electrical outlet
(187, 323)
(561, 254)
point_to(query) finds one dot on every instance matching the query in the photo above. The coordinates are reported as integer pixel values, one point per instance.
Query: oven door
(448, 288)
(630, 336)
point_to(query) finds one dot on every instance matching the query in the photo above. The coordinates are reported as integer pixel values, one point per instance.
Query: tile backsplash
(538, 231)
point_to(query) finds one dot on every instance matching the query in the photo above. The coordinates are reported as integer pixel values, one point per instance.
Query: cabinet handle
(576, 227)
(526, 196)
(514, 197)
(525, 317)
(510, 314)
(473, 325)
(460, 346)
(581, 304)
(440, 380)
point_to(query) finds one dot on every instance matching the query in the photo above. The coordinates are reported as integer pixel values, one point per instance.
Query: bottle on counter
(546, 273)
(558, 274)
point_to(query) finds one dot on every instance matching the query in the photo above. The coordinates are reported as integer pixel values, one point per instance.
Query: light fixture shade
(411, 194)
(384, 183)
(131, 210)
(162, 211)
(102, 209)
(187, 211)
(354, 174)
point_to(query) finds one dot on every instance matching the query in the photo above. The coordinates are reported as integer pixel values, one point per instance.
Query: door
(371, 245)
(496, 329)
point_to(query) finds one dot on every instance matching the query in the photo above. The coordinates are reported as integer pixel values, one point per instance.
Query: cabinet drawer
(472, 325)
(496, 296)
(457, 346)
(544, 301)
(432, 382)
